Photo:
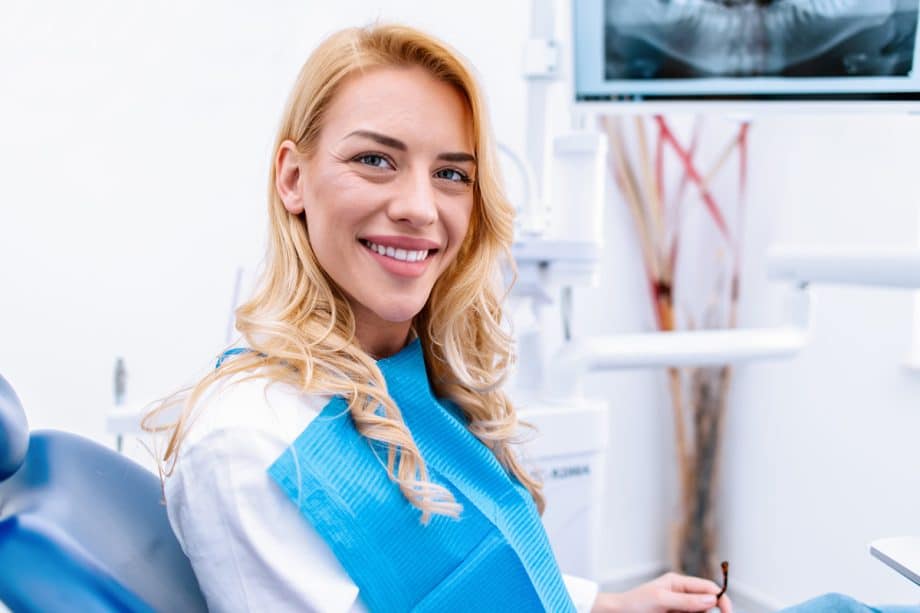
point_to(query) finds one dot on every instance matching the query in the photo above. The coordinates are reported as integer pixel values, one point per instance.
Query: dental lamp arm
(680, 348)
(897, 267)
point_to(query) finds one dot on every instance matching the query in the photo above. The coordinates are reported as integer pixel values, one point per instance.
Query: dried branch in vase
(656, 183)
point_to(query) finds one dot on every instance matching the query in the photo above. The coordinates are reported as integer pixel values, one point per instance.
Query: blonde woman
(355, 452)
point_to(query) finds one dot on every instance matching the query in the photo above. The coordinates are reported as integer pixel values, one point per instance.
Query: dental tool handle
(121, 376)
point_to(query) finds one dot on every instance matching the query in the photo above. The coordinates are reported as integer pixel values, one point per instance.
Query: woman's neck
(380, 338)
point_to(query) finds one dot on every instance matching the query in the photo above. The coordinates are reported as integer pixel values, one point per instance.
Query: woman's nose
(415, 203)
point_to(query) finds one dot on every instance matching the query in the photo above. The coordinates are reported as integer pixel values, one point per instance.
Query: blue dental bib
(496, 557)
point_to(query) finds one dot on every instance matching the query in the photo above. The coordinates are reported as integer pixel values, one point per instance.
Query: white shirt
(248, 544)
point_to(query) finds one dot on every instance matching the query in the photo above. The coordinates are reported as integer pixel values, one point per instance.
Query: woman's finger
(683, 583)
(725, 604)
(678, 601)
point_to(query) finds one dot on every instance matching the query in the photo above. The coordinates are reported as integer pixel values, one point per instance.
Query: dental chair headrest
(14, 431)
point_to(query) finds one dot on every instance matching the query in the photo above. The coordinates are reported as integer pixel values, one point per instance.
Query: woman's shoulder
(251, 402)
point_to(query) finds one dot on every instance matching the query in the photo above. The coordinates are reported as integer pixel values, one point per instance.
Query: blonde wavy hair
(299, 322)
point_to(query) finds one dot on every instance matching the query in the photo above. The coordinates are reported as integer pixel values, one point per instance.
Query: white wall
(134, 146)
(821, 451)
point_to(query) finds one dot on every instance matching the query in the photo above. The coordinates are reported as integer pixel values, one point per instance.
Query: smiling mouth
(400, 255)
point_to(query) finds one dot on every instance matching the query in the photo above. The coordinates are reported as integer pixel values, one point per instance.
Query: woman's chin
(399, 313)
(399, 316)
(380, 309)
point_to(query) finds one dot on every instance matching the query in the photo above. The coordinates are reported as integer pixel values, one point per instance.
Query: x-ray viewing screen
(790, 50)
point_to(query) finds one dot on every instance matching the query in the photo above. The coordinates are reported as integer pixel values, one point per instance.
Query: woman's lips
(400, 262)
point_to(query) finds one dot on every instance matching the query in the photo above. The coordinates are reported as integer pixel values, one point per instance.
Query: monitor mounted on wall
(747, 52)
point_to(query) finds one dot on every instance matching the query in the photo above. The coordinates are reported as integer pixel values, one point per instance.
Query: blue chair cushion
(14, 431)
(83, 528)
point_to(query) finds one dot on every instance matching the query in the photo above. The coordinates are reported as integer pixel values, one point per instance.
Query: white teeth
(398, 254)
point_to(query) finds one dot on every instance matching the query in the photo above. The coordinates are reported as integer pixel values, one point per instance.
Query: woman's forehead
(406, 103)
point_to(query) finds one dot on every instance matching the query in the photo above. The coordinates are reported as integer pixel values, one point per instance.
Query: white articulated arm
(694, 348)
(896, 267)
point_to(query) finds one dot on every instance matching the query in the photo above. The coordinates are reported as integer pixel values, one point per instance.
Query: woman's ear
(288, 177)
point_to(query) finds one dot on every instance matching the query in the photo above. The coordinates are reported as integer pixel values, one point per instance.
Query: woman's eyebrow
(394, 143)
(456, 157)
(383, 139)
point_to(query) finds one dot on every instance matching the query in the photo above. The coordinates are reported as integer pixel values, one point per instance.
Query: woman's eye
(452, 174)
(372, 159)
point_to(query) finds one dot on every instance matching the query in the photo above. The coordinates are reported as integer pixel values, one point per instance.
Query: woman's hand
(670, 592)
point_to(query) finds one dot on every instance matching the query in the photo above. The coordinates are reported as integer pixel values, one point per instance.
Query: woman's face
(388, 191)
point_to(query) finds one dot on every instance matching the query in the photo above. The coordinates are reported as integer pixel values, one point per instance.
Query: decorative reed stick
(699, 417)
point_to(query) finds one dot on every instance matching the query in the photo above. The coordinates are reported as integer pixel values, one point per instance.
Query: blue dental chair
(82, 528)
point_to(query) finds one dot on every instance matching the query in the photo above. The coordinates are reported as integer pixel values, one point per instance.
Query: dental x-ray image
(669, 39)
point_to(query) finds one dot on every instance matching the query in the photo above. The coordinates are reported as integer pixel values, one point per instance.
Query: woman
(357, 451)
